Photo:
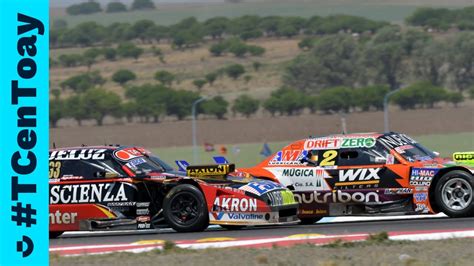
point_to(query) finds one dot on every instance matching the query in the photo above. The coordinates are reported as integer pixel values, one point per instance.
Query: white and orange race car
(369, 174)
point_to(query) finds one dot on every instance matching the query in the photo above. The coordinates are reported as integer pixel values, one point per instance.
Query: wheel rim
(184, 208)
(457, 194)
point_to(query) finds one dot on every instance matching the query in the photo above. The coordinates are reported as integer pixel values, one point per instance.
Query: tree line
(92, 7)
(443, 18)
(190, 32)
(391, 56)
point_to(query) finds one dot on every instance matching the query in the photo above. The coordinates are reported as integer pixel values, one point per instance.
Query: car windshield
(415, 152)
(148, 164)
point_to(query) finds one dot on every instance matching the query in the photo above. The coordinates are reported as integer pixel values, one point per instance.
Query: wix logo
(362, 174)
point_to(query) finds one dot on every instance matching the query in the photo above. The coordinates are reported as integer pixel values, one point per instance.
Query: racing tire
(310, 220)
(231, 226)
(185, 210)
(55, 234)
(454, 194)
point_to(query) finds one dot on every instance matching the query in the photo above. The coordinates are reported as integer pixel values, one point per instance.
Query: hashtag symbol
(23, 215)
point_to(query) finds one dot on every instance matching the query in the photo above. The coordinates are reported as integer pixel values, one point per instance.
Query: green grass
(170, 15)
(249, 154)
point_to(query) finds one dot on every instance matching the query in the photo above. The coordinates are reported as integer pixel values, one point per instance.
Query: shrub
(164, 77)
(245, 105)
(123, 76)
(235, 71)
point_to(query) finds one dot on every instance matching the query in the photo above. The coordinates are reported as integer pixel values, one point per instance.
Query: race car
(120, 187)
(369, 174)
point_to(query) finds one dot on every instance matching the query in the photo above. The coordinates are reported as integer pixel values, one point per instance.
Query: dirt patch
(170, 134)
(442, 252)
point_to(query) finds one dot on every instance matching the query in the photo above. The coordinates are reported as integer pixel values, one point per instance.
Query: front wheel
(185, 210)
(454, 194)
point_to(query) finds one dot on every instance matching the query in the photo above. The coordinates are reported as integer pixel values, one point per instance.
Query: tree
(385, 55)
(285, 101)
(455, 98)
(245, 105)
(142, 5)
(370, 97)
(56, 111)
(70, 60)
(115, 7)
(335, 99)
(84, 34)
(128, 49)
(334, 61)
(129, 110)
(235, 71)
(430, 60)
(199, 83)
(83, 82)
(461, 60)
(239, 49)
(216, 26)
(74, 108)
(99, 103)
(255, 50)
(89, 7)
(89, 57)
(151, 100)
(471, 93)
(123, 76)
(211, 77)
(307, 43)
(421, 93)
(218, 49)
(216, 106)
(164, 77)
(180, 102)
(256, 66)
(109, 53)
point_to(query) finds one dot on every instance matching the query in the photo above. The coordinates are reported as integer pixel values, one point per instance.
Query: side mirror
(380, 160)
(436, 153)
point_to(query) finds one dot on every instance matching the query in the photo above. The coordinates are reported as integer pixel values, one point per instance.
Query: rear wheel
(185, 210)
(310, 220)
(454, 194)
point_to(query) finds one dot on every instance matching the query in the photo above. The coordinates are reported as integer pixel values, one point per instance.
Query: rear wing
(211, 171)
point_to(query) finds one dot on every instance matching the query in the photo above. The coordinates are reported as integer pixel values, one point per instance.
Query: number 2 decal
(329, 158)
(54, 169)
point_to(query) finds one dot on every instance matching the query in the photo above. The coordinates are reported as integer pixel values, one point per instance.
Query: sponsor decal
(128, 154)
(242, 216)
(403, 148)
(301, 178)
(211, 170)
(421, 188)
(88, 193)
(358, 142)
(288, 157)
(79, 154)
(421, 208)
(261, 187)
(336, 196)
(398, 191)
(422, 176)
(361, 176)
(322, 143)
(217, 215)
(420, 197)
(71, 177)
(396, 140)
(337, 143)
(464, 157)
(314, 212)
(235, 204)
(62, 217)
(282, 197)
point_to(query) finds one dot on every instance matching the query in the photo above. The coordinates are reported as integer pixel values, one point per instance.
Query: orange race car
(368, 174)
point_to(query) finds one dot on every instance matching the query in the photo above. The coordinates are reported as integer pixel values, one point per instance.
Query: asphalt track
(373, 226)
